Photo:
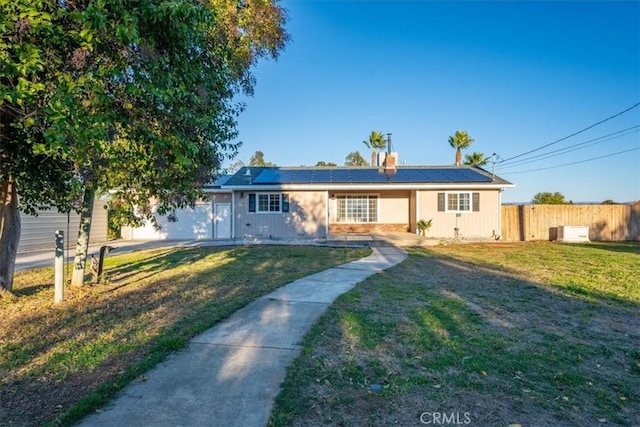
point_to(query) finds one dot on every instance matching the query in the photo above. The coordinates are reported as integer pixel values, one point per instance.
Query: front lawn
(59, 362)
(535, 334)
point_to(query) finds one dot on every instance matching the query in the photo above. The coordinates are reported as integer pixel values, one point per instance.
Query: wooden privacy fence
(540, 222)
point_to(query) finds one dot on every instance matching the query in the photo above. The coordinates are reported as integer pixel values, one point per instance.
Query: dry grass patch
(534, 334)
(58, 362)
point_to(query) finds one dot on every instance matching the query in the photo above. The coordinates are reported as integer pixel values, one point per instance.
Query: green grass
(60, 362)
(530, 334)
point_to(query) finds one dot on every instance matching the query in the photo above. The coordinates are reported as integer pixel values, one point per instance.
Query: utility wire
(574, 147)
(575, 163)
(573, 134)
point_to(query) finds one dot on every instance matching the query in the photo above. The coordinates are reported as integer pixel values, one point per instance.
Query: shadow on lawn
(624, 247)
(161, 259)
(467, 336)
(31, 290)
(88, 328)
(138, 271)
(573, 339)
(507, 287)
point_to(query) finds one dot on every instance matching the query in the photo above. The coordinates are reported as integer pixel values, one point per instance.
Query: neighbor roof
(329, 176)
(219, 182)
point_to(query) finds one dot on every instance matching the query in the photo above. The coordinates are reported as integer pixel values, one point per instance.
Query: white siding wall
(394, 207)
(480, 224)
(38, 232)
(196, 223)
(306, 218)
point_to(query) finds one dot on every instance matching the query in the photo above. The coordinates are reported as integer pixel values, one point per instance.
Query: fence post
(59, 268)
(521, 226)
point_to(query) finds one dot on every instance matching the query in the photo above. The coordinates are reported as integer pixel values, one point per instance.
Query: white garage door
(194, 223)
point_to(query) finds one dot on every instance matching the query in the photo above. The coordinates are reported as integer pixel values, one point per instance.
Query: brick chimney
(390, 160)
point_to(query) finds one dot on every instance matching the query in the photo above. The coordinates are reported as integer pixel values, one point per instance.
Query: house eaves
(367, 187)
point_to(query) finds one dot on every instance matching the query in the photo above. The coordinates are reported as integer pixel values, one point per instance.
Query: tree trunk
(458, 157)
(374, 158)
(9, 233)
(82, 247)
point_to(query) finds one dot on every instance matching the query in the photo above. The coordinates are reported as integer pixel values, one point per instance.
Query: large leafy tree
(258, 160)
(38, 75)
(376, 142)
(355, 159)
(132, 96)
(323, 164)
(475, 159)
(460, 141)
(547, 198)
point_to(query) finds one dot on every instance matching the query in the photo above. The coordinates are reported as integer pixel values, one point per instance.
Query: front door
(222, 221)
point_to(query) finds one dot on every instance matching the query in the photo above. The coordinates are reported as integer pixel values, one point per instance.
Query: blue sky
(514, 75)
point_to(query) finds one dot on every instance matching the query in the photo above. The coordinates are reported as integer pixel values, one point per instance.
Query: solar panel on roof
(445, 175)
(314, 176)
(367, 175)
(471, 175)
(268, 176)
(301, 176)
(340, 175)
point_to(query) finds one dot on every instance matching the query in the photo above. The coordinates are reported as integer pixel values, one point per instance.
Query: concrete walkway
(231, 374)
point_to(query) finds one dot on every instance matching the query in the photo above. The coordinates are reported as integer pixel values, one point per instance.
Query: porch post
(326, 214)
(499, 230)
(417, 211)
(233, 215)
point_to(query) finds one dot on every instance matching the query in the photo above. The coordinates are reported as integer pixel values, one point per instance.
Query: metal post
(59, 268)
(493, 166)
(103, 250)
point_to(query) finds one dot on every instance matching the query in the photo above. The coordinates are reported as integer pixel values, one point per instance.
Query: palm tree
(475, 159)
(376, 142)
(460, 141)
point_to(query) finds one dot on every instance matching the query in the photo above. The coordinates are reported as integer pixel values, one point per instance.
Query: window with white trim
(458, 202)
(268, 202)
(357, 208)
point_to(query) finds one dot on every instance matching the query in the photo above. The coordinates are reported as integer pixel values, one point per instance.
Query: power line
(575, 163)
(574, 147)
(573, 134)
(593, 141)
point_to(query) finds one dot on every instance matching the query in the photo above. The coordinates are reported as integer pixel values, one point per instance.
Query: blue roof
(362, 175)
(219, 182)
(222, 180)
